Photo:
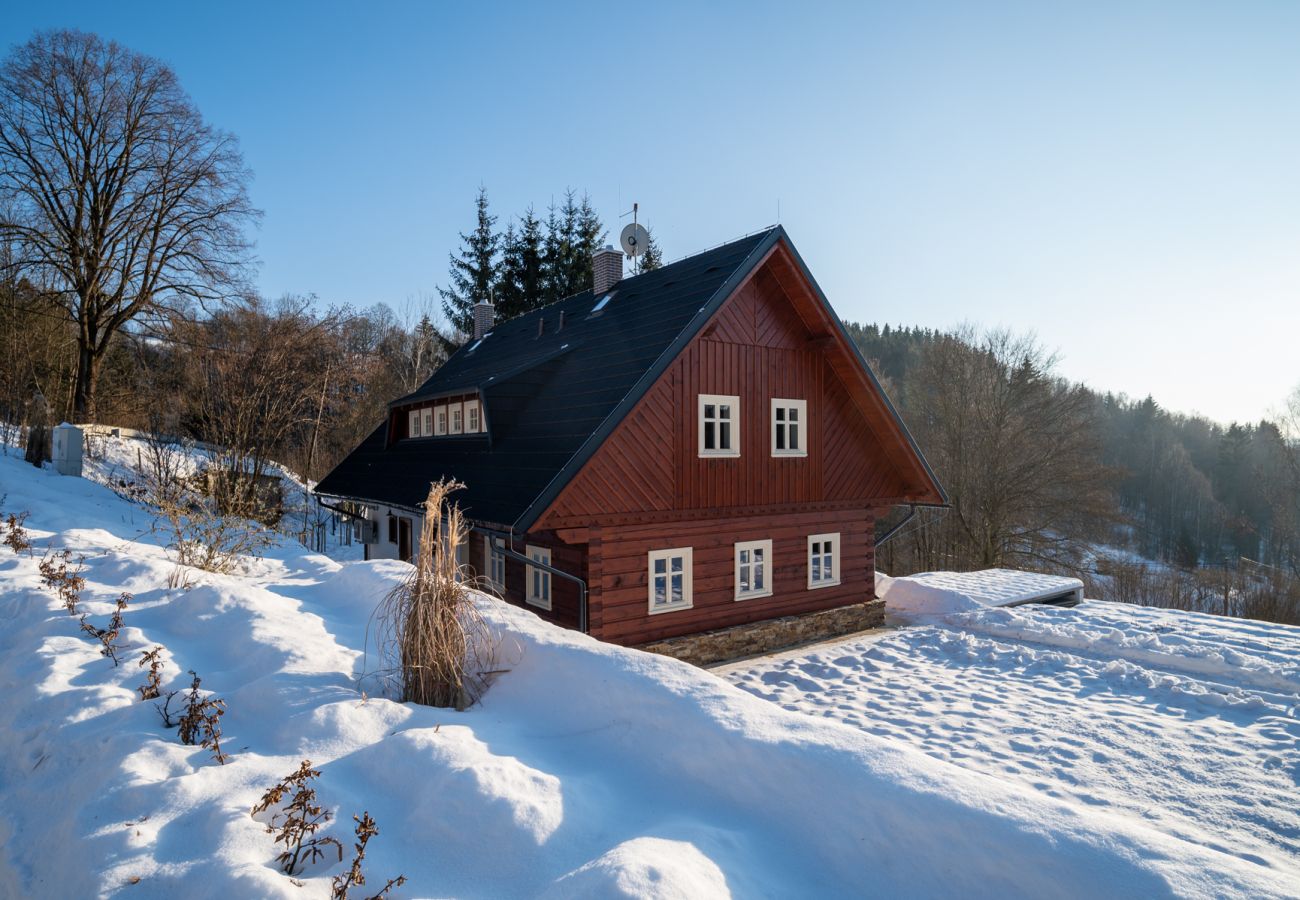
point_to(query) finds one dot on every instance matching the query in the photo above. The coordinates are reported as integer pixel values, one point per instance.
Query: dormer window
(440, 419)
(457, 412)
(413, 423)
(473, 417)
(426, 422)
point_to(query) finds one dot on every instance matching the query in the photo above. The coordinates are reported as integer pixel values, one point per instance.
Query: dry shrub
(16, 537)
(108, 636)
(354, 877)
(202, 535)
(430, 624)
(152, 687)
(67, 582)
(296, 825)
(201, 722)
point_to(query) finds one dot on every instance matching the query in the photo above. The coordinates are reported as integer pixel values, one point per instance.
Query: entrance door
(404, 539)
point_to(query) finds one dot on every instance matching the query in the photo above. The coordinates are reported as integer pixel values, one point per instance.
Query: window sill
(719, 454)
(814, 585)
(789, 454)
(540, 604)
(667, 609)
(753, 595)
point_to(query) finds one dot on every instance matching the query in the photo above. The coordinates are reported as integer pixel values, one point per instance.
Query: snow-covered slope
(1186, 723)
(588, 770)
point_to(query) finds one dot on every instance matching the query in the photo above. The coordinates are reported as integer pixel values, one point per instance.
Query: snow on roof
(938, 593)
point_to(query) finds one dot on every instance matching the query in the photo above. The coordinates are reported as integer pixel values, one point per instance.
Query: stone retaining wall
(756, 638)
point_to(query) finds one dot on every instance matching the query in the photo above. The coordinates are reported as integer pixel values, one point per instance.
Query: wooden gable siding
(619, 572)
(757, 347)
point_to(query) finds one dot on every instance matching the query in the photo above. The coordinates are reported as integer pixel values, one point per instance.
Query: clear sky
(1122, 179)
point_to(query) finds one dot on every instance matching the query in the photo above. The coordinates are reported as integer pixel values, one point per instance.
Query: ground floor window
(538, 592)
(670, 579)
(495, 554)
(823, 560)
(753, 569)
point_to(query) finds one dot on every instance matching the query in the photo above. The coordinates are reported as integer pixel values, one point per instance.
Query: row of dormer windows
(719, 426)
(442, 419)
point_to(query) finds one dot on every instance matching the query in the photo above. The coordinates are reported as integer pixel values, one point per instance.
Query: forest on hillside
(1142, 502)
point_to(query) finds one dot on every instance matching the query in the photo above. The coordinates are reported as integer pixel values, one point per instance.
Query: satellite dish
(634, 240)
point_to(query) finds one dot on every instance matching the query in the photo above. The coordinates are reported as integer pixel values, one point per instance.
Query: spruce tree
(553, 257)
(653, 257)
(472, 270)
(520, 285)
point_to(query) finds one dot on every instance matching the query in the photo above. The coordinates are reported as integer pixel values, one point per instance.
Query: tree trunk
(83, 399)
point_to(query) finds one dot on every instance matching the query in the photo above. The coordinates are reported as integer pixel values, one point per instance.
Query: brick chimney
(606, 269)
(484, 317)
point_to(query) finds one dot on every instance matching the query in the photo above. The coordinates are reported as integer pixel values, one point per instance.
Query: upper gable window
(789, 427)
(413, 423)
(426, 425)
(440, 420)
(719, 425)
(473, 417)
(457, 412)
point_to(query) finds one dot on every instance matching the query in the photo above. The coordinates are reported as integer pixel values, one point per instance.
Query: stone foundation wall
(755, 638)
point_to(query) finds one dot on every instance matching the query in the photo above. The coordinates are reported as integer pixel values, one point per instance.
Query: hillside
(587, 770)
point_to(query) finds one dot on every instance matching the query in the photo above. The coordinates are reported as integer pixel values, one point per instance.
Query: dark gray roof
(550, 400)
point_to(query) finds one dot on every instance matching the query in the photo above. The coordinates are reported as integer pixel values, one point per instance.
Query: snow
(1188, 724)
(939, 593)
(591, 770)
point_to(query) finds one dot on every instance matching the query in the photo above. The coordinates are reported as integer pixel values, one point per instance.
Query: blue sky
(1122, 179)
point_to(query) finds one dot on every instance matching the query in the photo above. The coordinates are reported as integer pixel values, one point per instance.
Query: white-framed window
(538, 592)
(670, 579)
(426, 428)
(753, 569)
(457, 413)
(413, 425)
(473, 418)
(440, 419)
(495, 556)
(719, 425)
(789, 427)
(823, 560)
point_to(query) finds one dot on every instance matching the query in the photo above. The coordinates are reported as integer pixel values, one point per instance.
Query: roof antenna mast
(634, 239)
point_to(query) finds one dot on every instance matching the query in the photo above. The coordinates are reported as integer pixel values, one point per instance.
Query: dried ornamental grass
(430, 624)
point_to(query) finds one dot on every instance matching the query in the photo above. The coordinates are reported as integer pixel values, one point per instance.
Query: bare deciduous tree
(117, 193)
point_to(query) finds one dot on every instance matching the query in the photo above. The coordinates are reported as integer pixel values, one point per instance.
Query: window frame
(837, 547)
(800, 406)
(543, 556)
(456, 418)
(440, 420)
(477, 409)
(426, 417)
(688, 599)
(491, 557)
(392, 529)
(413, 423)
(742, 546)
(733, 420)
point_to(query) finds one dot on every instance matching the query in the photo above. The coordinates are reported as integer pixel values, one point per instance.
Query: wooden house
(693, 448)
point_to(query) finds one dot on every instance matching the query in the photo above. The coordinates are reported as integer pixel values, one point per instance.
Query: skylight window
(600, 304)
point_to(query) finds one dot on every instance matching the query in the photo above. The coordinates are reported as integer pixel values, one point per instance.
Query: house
(690, 449)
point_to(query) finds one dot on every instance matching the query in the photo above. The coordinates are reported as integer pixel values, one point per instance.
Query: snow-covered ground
(590, 770)
(1185, 723)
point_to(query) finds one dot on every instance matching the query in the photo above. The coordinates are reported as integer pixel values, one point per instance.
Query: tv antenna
(634, 238)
